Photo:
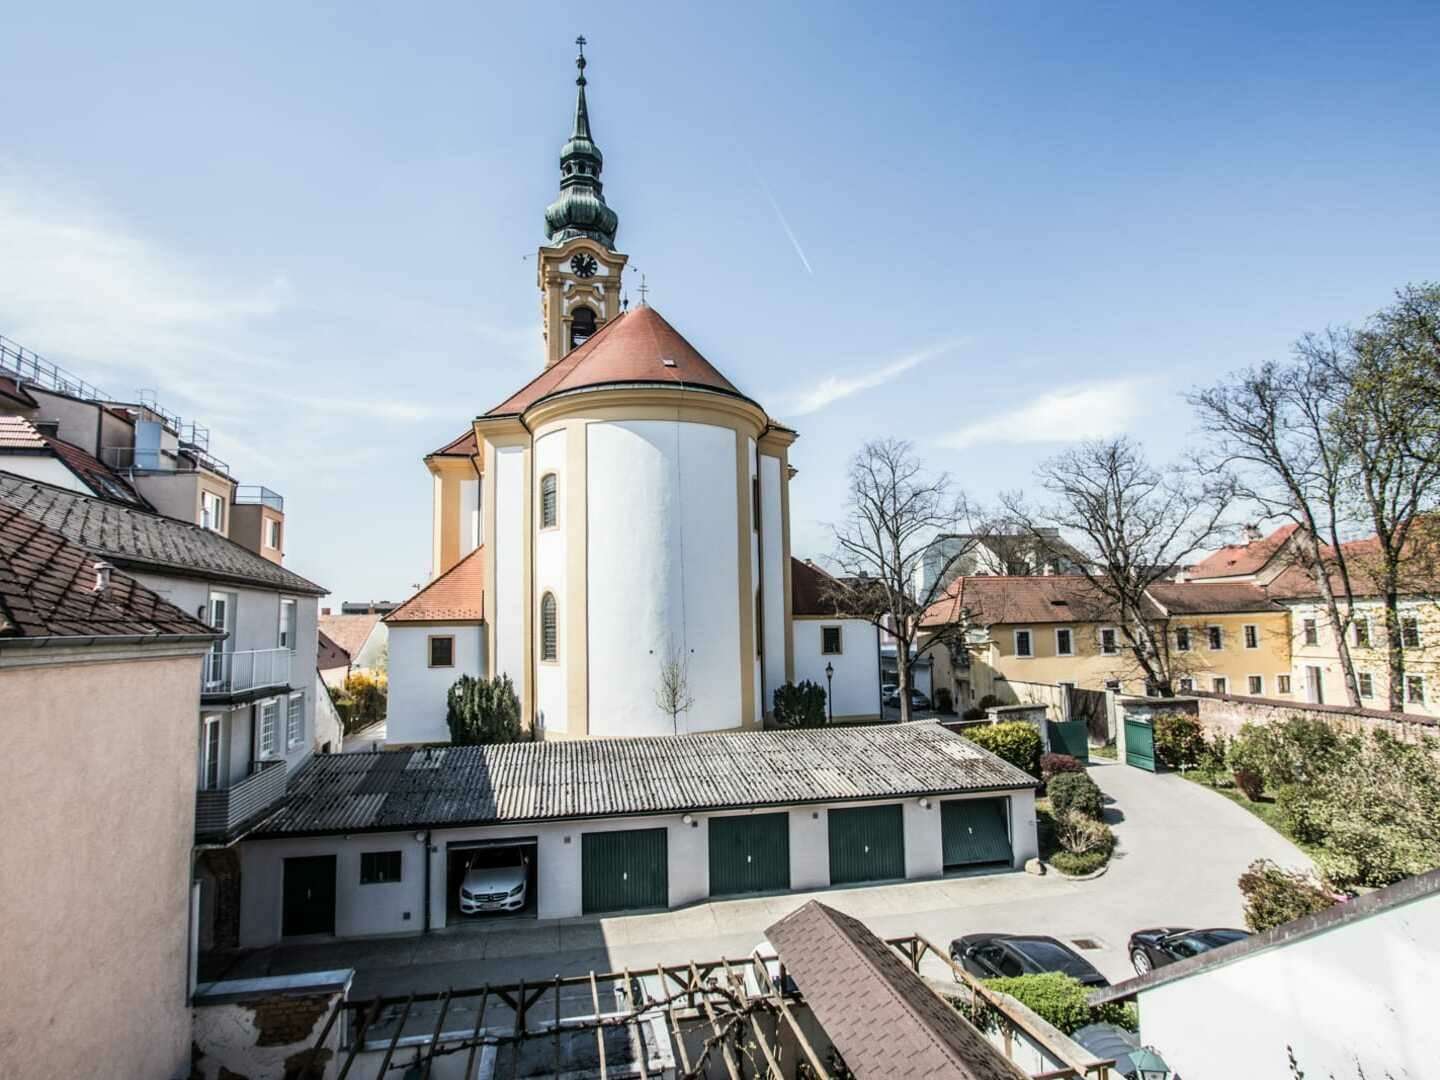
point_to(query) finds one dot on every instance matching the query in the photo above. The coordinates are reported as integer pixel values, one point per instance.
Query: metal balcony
(220, 812)
(253, 494)
(226, 674)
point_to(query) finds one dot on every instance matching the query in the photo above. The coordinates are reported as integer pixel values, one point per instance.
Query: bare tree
(1138, 523)
(673, 693)
(896, 510)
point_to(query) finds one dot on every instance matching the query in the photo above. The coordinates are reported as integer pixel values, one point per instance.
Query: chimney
(102, 577)
(1251, 533)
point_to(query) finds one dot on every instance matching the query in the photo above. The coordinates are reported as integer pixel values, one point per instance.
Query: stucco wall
(508, 550)
(97, 795)
(662, 574)
(551, 698)
(857, 669)
(772, 529)
(416, 708)
(1361, 996)
(47, 470)
(1324, 655)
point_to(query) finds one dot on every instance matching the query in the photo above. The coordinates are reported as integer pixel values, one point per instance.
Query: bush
(1179, 740)
(1017, 743)
(800, 705)
(1211, 765)
(989, 701)
(1075, 792)
(1274, 895)
(1052, 765)
(1063, 1001)
(483, 712)
(944, 700)
(1072, 865)
(973, 713)
(361, 701)
(1080, 834)
(1296, 750)
(1301, 814)
(1250, 783)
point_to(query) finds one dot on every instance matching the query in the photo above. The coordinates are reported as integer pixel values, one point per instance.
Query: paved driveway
(1181, 850)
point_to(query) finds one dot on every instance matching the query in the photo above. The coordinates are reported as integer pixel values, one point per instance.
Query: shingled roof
(48, 590)
(635, 347)
(447, 786)
(995, 599)
(878, 1013)
(1242, 560)
(458, 595)
(140, 540)
(20, 434)
(1211, 598)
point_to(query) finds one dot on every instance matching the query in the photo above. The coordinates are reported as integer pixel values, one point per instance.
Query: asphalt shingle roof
(449, 786)
(47, 589)
(142, 540)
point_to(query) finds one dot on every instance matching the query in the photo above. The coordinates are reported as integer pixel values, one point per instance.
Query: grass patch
(1107, 751)
(1263, 808)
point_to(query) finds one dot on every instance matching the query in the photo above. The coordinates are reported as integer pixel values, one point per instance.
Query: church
(615, 534)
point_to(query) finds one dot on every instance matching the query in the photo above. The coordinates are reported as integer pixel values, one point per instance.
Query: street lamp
(1149, 1065)
(830, 690)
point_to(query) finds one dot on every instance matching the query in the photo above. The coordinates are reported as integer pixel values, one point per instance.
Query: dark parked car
(1150, 949)
(918, 700)
(992, 956)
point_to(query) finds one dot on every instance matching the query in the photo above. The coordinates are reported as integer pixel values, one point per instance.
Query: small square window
(1312, 632)
(1187, 684)
(1182, 639)
(1410, 631)
(830, 641)
(1255, 685)
(1216, 638)
(1022, 643)
(442, 652)
(1252, 636)
(1415, 689)
(1282, 684)
(379, 867)
(1064, 643)
(1367, 684)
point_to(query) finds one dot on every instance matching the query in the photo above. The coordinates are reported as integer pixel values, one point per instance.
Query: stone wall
(266, 1029)
(1227, 712)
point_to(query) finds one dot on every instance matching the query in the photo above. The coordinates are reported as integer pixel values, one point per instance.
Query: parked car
(494, 888)
(1004, 956)
(1150, 949)
(918, 700)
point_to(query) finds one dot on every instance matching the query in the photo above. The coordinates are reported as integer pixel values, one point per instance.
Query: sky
(991, 229)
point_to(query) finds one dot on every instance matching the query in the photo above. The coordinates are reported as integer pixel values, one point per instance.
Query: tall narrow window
(549, 635)
(1312, 632)
(1415, 689)
(295, 721)
(1282, 684)
(1064, 643)
(1410, 631)
(1022, 643)
(269, 716)
(549, 510)
(1182, 639)
(1362, 632)
(1217, 638)
(1367, 684)
(1252, 636)
(287, 625)
(582, 326)
(1108, 643)
(210, 773)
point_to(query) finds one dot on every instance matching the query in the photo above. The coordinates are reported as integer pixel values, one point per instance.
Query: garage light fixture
(924, 804)
(688, 820)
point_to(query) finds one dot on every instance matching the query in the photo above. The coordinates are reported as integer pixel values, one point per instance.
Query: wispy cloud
(1082, 411)
(833, 388)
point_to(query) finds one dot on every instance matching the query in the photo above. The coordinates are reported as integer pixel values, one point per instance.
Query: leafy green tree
(800, 705)
(1018, 743)
(483, 711)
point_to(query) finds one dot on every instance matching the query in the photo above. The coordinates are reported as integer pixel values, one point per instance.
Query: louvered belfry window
(548, 634)
(548, 505)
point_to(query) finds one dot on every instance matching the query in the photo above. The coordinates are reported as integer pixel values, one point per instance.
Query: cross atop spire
(580, 210)
(580, 61)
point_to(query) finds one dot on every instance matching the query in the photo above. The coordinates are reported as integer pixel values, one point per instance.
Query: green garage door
(623, 870)
(975, 831)
(867, 843)
(749, 853)
(1140, 745)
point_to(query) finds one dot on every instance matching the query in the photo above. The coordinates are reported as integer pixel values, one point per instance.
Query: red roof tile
(637, 346)
(329, 655)
(17, 433)
(458, 595)
(994, 599)
(463, 446)
(350, 632)
(1211, 598)
(1239, 560)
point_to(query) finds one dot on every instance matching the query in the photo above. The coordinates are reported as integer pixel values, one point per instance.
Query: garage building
(378, 843)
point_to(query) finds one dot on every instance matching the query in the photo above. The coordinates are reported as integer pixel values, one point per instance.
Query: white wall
(327, 720)
(550, 681)
(773, 536)
(1361, 995)
(47, 470)
(857, 669)
(662, 577)
(417, 704)
(508, 551)
(469, 516)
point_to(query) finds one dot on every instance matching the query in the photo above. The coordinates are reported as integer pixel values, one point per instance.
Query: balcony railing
(253, 494)
(187, 459)
(220, 811)
(236, 672)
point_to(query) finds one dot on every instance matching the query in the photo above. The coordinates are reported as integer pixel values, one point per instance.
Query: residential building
(364, 638)
(1227, 637)
(1346, 993)
(380, 843)
(1258, 558)
(98, 687)
(994, 553)
(332, 661)
(839, 653)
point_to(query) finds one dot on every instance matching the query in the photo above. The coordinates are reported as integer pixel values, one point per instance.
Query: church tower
(579, 268)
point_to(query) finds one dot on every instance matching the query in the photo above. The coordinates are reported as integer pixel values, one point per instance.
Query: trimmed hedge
(1064, 1002)
(1052, 765)
(1017, 743)
(1075, 792)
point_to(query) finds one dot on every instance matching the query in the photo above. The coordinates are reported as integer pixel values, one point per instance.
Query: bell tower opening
(582, 325)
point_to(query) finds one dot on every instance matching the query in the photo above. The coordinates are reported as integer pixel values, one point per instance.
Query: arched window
(582, 325)
(549, 510)
(549, 644)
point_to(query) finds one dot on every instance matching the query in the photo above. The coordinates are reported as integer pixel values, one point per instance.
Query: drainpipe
(426, 928)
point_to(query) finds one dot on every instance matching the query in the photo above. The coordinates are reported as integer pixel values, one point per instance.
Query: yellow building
(1225, 637)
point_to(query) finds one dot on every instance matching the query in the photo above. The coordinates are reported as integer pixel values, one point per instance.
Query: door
(1314, 686)
(621, 871)
(1139, 744)
(867, 843)
(1070, 737)
(210, 761)
(750, 853)
(309, 892)
(974, 832)
(215, 673)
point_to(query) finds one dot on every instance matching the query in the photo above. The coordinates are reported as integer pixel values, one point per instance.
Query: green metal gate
(1139, 744)
(867, 843)
(975, 831)
(750, 853)
(623, 870)
(1072, 737)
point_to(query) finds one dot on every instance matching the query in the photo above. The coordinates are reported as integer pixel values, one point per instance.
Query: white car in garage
(494, 888)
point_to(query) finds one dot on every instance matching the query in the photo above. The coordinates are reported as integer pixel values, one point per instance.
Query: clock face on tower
(584, 265)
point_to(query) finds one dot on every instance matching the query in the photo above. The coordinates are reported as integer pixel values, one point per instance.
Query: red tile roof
(17, 433)
(637, 346)
(1420, 572)
(47, 589)
(1211, 598)
(463, 446)
(458, 595)
(350, 632)
(990, 600)
(329, 655)
(1239, 560)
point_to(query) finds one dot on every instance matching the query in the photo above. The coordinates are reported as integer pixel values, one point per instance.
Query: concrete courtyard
(1181, 849)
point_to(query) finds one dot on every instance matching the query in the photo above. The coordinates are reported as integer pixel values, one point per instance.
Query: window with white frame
(287, 625)
(1114, 685)
(269, 717)
(1311, 631)
(1187, 684)
(1109, 641)
(549, 502)
(1367, 684)
(295, 720)
(212, 511)
(272, 534)
(1410, 631)
(1064, 643)
(1415, 689)
(210, 750)
(1215, 637)
(1219, 684)
(1252, 636)
(1023, 645)
(1255, 685)
(1182, 639)
(1362, 632)
(1282, 684)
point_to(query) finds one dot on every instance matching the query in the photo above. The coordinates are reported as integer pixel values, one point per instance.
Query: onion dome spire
(580, 210)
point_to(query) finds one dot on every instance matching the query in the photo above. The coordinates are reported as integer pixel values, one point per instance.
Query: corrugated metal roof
(476, 785)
